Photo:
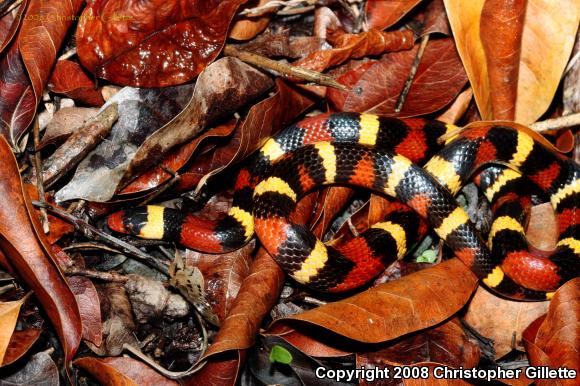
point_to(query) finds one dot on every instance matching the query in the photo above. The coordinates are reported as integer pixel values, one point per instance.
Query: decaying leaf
(220, 90)
(502, 320)
(89, 308)
(141, 112)
(151, 301)
(553, 340)
(188, 279)
(39, 370)
(118, 326)
(64, 123)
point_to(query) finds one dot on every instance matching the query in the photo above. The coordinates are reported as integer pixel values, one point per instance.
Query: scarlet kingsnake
(379, 154)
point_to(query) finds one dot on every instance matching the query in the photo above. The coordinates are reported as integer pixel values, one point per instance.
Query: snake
(384, 155)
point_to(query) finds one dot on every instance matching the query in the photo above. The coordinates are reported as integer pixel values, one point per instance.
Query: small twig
(557, 123)
(90, 246)
(78, 145)
(170, 256)
(91, 232)
(284, 69)
(37, 163)
(99, 275)
(412, 73)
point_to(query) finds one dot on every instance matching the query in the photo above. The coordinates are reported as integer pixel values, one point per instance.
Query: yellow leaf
(548, 37)
(8, 317)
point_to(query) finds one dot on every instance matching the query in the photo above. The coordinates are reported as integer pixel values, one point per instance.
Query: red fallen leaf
(122, 371)
(9, 24)
(28, 250)
(397, 308)
(17, 101)
(354, 46)
(349, 79)
(152, 43)
(175, 160)
(553, 339)
(219, 370)
(26, 66)
(501, 28)
(20, 343)
(69, 78)
(382, 14)
(433, 19)
(446, 345)
(439, 78)
(89, 308)
(263, 120)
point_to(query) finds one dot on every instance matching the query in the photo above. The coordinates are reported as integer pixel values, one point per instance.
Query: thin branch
(284, 69)
(94, 274)
(93, 233)
(37, 163)
(557, 123)
(412, 73)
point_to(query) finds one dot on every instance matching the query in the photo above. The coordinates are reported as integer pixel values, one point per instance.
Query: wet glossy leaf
(152, 43)
(543, 54)
(440, 77)
(397, 308)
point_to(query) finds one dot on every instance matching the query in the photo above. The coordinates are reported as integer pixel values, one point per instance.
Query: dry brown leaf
(382, 14)
(502, 320)
(397, 308)
(548, 37)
